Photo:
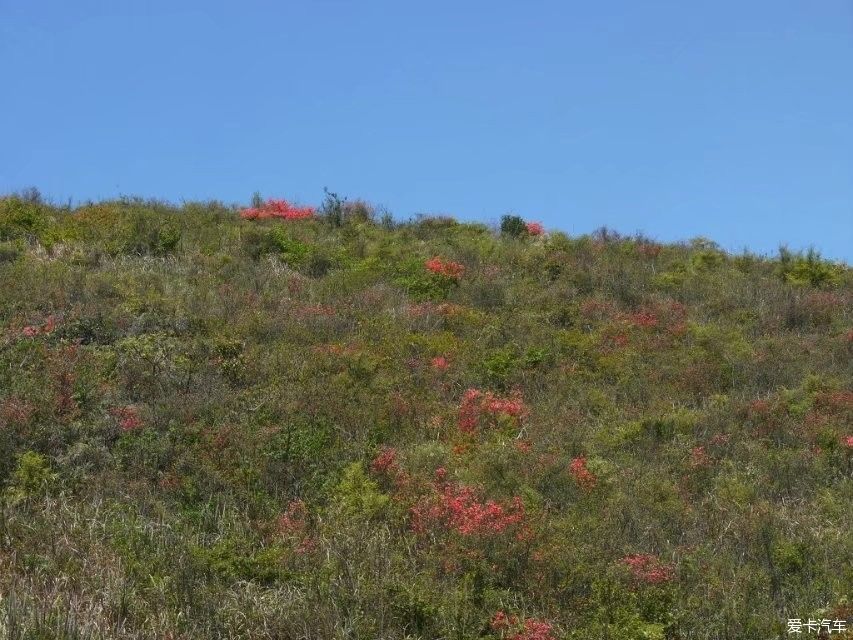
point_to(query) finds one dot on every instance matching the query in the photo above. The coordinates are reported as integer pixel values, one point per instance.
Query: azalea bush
(281, 209)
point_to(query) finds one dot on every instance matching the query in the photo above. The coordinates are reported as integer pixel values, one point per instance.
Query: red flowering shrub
(459, 509)
(535, 228)
(510, 628)
(647, 568)
(446, 268)
(476, 403)
(384, 462)
(593, 310)
(31, 331)
(461, 448)
(315, 310)
(277, 209)
(699, 457)
(292, 525)
(583, 476)
(128, 417)
(760, 412)
(16, 411)
(759, 407)
(523, 446)
(643, 319)
(615, 340)
(501, 621)
(848, 441)
(169, 481)
(720, 439)
(294, 519)
(439, 363)
(835, 402)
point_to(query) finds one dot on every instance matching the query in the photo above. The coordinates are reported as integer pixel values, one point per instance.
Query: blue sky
(730, 120)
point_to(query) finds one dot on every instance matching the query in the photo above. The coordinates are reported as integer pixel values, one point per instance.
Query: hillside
(288, 423)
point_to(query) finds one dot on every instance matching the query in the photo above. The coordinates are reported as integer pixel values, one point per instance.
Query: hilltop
(280, 422)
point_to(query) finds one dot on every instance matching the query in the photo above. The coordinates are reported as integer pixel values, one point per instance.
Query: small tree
(513, 226)
(332, 210)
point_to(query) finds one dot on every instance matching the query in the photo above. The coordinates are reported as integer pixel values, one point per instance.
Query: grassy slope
(212, 427)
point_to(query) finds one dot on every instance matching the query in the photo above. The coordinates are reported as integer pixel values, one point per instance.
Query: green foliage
(144, 235)
(422, 285)
(21, 219)
(332, 209)
(219, 427)
(513, 226)
(357, 496)
(275, 240)
(505, 365)
(31, 477)
(231, 560)
(8, 252)
(808, 269)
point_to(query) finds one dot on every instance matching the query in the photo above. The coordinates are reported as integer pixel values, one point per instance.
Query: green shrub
(513, 226)
(357, 496)
(31, 477)
(807, 270)
(147, 234)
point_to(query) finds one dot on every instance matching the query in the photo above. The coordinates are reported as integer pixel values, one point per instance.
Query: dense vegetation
(297, 424)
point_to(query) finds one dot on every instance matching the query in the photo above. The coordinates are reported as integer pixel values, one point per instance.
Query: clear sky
(728, 119)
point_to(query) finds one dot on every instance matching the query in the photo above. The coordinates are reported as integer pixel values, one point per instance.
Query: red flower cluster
(530, 629)
(446, 268)
(535, 228)
(313, 310)
(583, 476)
(475, 403)
(848, 441)
(699, 457)
(169, 481)
(459, 509)
(385, 462)
(277, 209)
(523, 446)
(31, 331)
(128, 417)
(836, 401)
(15, 410)
(760, 408)
(293, 520)
(643, 319)
(647, 568)
(439, 363)
(720, 439)
(596, 310)
(615, 340)
(293, 525)
(385, 465)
